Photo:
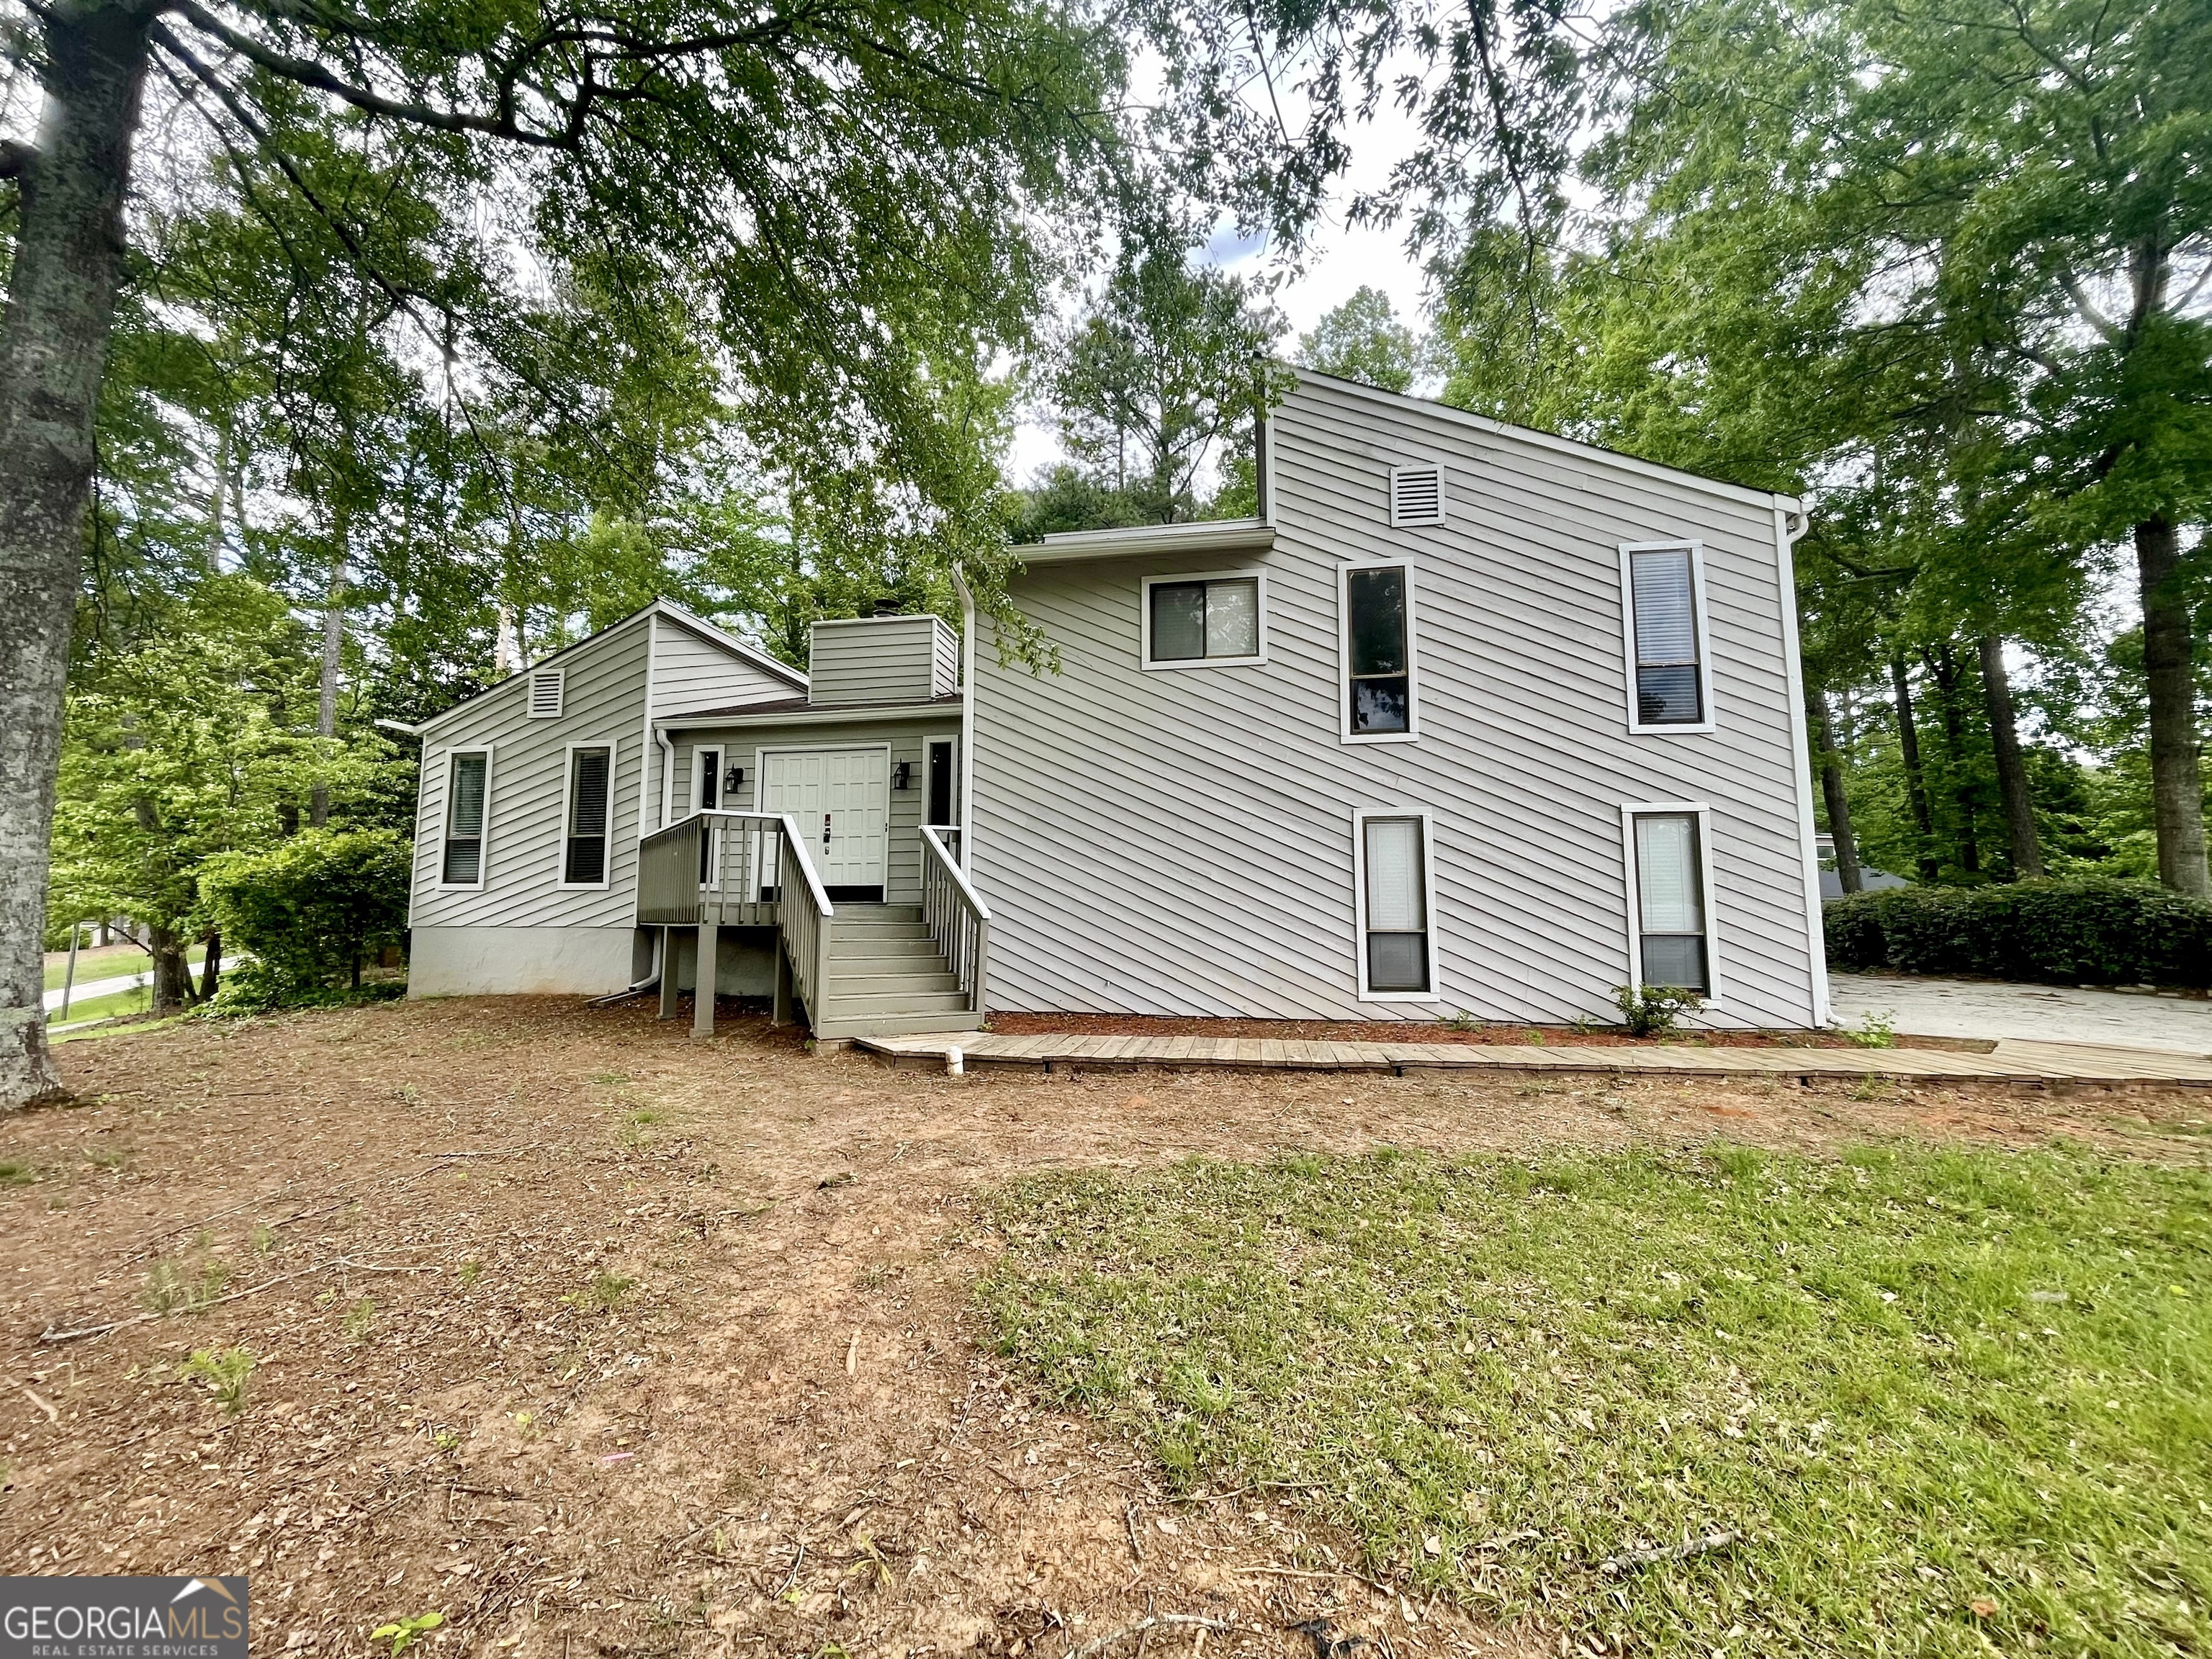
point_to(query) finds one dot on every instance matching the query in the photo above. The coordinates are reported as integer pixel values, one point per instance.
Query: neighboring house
(1871, 880)
(1469, 718)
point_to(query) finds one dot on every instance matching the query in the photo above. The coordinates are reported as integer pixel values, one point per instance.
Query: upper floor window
(591, 804)
(1663, 603)
(1203, 622)
(1375, 611)
(468, 792)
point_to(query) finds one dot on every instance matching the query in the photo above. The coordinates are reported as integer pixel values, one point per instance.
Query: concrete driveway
(2042, 1013)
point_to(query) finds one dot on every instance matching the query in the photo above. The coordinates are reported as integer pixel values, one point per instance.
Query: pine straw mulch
(593, 1338)
(1423, 1030)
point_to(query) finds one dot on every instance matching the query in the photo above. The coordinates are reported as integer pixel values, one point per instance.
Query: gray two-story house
(1469, 718)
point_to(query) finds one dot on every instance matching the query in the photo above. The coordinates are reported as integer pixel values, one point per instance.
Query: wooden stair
(888, 977)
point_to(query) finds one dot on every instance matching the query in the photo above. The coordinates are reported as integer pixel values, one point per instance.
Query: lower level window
(1395, 890)
(1670, 898)
(584, 858)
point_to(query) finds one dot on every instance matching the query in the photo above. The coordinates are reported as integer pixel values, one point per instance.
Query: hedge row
(2071, 932)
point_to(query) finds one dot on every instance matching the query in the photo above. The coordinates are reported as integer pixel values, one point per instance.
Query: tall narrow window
(1666, 637)
(1200, 622)
(1378, 651)
(1393, 906)
(940, 783)
(584, 855)
(1670, 899)
(708, 764)
(467, 774)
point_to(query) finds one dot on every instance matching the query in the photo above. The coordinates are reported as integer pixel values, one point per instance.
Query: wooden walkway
(2009, 1061)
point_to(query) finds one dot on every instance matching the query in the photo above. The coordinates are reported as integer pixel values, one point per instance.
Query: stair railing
(957, 918)
(804, 913)
(712, 866)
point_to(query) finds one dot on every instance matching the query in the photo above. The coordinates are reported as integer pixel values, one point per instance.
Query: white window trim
(560, 678)
(1344, 731)
(1629, 813)
(699, 750)
(1444, 495)
(1360, 817)
(928, 740)
(1696, 550)
(568, 788)
(1144, 618)
(446, 819)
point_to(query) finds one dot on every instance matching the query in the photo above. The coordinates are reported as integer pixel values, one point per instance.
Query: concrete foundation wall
(469, 961)
(745, 961)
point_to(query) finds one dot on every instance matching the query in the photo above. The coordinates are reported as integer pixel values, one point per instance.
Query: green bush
(309, 912)
(2077, 931)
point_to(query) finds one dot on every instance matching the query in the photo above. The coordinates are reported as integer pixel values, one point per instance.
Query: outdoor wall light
(735, 779)
(901, 774)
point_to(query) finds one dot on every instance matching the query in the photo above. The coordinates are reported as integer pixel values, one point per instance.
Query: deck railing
(958, 918)
(806, 924)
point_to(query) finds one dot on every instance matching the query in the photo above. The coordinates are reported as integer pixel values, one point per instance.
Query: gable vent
(545, 694)
(1417, 495)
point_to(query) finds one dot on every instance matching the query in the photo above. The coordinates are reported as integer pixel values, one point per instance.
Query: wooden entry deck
(2009, 1061)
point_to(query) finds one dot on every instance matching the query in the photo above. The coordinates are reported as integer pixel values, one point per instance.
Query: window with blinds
(1395, 894)
(1670, 901)
(468, 777)
(584, 852)
(1191, 621)
(1665, 637)
(1378, 651)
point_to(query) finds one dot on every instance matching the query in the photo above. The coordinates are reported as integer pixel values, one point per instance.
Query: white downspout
(967, 720)
(1790, 523)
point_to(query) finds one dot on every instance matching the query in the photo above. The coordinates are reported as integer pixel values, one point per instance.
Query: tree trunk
(2012, 793)
(1838, 798)
(67, 262)
(2177, 777)
(211, 968)
(1944, 668)
(173, 974)
(327, 708)
(1915, 779)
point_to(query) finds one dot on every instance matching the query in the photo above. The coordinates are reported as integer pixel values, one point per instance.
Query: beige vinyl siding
(603, 701)
(908, 739)
(1182, 843)
(881, 659)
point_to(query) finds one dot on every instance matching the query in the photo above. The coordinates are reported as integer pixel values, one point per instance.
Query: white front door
(841, 800)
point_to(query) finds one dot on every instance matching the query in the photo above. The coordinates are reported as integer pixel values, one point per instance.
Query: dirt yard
(591, 1338)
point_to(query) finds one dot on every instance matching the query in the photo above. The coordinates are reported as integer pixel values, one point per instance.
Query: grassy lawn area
(1927, 1401)
(107, 1008)
(107, 962)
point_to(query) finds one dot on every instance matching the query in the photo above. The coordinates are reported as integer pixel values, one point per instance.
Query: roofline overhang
(832, 715)
(1197, 536)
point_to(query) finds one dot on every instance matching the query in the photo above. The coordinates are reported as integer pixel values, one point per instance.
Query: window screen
(1193, 621)
(1381, 682)
(1670, 893)
(1397, 906)
(1668, 691)
(583, 864)
(465, 819)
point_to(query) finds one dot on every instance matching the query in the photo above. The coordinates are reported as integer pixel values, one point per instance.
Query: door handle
(825, 832)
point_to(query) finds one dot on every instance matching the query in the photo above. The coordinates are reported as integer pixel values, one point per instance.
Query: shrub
(2074, 931)
(309, 912)
(1654, 1010)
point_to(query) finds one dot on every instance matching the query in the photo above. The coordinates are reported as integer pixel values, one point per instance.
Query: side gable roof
(689, 621)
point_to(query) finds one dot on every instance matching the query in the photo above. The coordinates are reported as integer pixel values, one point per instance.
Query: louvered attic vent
(1417, 495)
(545, 694)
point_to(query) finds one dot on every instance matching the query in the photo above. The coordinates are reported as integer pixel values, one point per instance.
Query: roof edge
(1194, 535)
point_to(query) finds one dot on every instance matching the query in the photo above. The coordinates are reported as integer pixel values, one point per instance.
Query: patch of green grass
(224, 1370)
(608, 1289)
(116, 1003)
(14, 1174)
(1948, 1402)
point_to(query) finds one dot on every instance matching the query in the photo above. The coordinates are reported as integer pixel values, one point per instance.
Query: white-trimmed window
(1214, 620)
(587, 815)
(1396, 905)
(546, 686)
(1670, 894)
(468, 817)
(1417, 494)
(1378, 701)
(1662, 600)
